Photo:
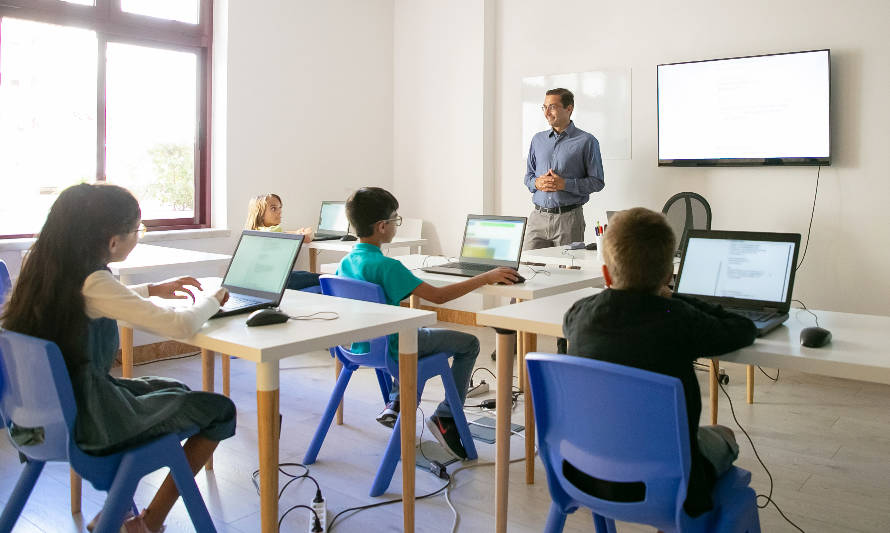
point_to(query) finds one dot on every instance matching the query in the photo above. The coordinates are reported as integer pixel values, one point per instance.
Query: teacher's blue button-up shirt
(573, 154)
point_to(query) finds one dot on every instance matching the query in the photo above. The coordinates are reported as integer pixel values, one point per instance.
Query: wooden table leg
(408, 418)
(338, 367)
(520, 359)
(267, 426)
(313, 260)
(226, 374)
(530, 344)
(207, 378)
(750, 382)
(126, 351)
(714, 371)
(502, 430)
(413, 301)
(76, 485)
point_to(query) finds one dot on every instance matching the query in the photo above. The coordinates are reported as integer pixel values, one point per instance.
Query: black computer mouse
(348, 237)
(520, 280)
(264, 317)
(814, 337)
(590, 246)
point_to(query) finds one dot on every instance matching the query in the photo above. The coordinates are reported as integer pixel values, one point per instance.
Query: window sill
(11, 245)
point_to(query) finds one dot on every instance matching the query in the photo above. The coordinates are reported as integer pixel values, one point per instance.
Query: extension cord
(318, 505)
(479, 389)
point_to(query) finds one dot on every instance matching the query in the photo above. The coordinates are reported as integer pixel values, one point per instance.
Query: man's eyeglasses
(551, 107)
(397, 220)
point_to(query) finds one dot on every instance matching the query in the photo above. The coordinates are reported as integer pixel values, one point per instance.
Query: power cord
(768, 497)
(315, 316)
(807, 310)
(294, 477)
(813, 212)
(535, 271)
(387, 502)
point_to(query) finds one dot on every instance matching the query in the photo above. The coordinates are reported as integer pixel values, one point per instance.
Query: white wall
(439, 167)
(848, 256)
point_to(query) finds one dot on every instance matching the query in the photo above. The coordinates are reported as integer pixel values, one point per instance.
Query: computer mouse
(591, 246)
(264, 317)
(520, 280)
(814, 337)
(348, 237)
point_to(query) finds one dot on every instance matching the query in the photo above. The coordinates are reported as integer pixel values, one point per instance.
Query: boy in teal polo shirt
(372, 212)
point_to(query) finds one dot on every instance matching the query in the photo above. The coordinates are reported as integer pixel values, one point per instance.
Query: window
(108, 90)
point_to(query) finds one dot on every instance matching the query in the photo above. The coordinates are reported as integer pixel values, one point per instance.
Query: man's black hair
(565, 96)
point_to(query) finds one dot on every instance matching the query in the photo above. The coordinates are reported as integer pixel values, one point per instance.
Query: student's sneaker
(445, 431)
(389, 415)
(137, 524)
(95, 521)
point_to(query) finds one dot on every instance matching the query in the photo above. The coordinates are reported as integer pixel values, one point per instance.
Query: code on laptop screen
(493, 239)
(751, 270)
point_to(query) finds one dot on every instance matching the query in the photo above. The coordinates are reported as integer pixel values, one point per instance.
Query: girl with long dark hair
(65, 293)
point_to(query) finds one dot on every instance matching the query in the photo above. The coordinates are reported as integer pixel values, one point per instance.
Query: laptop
(748, 273)
(332, 222)
(258, 272)
(490, 242)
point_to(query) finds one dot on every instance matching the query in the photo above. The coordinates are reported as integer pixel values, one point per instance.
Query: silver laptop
(332, 222)
(490, 242)
(258, 272)
(748, 273)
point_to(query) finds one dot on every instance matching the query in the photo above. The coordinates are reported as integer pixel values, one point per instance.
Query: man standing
(564, 167)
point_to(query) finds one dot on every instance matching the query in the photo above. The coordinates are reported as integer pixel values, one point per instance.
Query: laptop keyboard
(753, 314)
(476, 267)
(234, 302)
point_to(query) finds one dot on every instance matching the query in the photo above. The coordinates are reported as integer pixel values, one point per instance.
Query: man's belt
(558, 209)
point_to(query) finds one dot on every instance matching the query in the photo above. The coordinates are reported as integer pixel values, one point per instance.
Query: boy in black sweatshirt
(637, 322)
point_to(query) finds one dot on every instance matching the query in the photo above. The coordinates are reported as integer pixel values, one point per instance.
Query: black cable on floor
(768, 497)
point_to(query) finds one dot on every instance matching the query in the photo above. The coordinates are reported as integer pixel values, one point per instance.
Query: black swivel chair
(685, 211)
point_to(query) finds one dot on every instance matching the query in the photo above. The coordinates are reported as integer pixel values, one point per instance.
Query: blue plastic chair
(5, 283)
(35, 392)
(627, 429)
(378, 358)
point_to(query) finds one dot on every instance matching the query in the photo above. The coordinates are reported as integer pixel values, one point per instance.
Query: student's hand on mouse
(502, 275)
(306, 233)
(169, 289)
(221, 295)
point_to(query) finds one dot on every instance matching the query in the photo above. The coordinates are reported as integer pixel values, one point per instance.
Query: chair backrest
(612, 438)
(355, 289)
(36, 393)
(685, 211)
(5, 283)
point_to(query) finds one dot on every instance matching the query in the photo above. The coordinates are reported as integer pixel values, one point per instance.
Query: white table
(267, 345)
(346, 246)
(562, 255)
(160, 262)
(857, 351)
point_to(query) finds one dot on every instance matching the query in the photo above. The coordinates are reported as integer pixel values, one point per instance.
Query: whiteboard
(602, 107)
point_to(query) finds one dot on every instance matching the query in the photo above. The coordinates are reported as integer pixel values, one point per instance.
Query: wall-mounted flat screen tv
(758, 110)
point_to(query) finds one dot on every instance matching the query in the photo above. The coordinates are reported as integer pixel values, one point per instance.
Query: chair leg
(603, 524)
(120, 498)
(556, 519)
(457, 412)
(188, 490)
(20, 494)
(388, 463)
(385, 383)
(325, 424)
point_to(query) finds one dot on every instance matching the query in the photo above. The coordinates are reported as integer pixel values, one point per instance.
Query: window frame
(111, 24)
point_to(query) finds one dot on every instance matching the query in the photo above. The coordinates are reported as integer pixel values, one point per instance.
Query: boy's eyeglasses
(140, 230)
(397, 220)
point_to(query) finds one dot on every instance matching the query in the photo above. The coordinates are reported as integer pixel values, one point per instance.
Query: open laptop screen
(745, 266)
(493, 240)
(262, 262)
(332, 218)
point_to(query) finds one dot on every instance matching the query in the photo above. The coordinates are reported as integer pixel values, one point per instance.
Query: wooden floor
(826, 442)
